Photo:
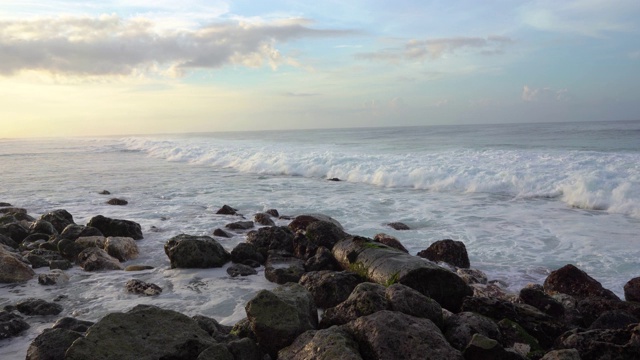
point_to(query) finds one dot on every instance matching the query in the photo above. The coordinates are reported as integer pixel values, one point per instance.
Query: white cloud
(543, 94)
(111, 45)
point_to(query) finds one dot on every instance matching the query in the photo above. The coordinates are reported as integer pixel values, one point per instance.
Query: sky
(116, 67)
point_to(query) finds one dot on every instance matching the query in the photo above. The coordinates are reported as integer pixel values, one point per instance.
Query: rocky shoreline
(341, 296)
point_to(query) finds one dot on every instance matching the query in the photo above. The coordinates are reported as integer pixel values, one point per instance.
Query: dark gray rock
(60, 219)
(241, 270)
(116, 227)
(398, 226)
(271, 238)
(572, 281)
(602, 343)
(226, 210)
(273, 212)
(246, 251)
(460, 328)
(139, 287)
(95, 259)
(614, 319)
(73, 324)
(15, 231)
(73, 232)
(4, 204)
(245, 349)
(138, 267)
(43, 227)
(54, 277)
(240, 225)
(216, 352)
(11, 325)
(535, 296)
(411, 302)
(327, 344)
(222, 233)
(394, 335)
(325, 233)
(390, 241)
(105, 192)
(301, 222)
(514, 335)
(591, 308)
(33, 307)
(13, 269)
(448, 251)
(330, 288)
(5, 240)
(220, 333)
(323, 259)
(632, 290)
(37, 261)
(146, 333)
(263, 219)
(366, 298)
(282, 267)
(51, 344)
(187, 251)
(118, 202)
(472, 276)
(121, 248)
(564, 354)
(483, 348)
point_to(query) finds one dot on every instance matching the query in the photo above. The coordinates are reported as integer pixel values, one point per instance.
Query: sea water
(524, 198)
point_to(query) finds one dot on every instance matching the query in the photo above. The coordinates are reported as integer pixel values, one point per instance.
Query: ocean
(524, 198)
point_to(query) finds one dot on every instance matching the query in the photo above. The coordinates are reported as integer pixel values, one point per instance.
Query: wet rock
(246, 251)
(515, 336)
(116, 201)
(394, 335)
(32, 307)
(303, 248)
(327, 344)
(187, 251)
(15, 231)
(245, 349)
(390, 241)
(241, 270)
(366, 298)
(11, 325)
(226, 210)
(483, 348)
(73, 232)
(138, 267)
(398, 226)
(220, 333)
(240, 225)
(242, 329)
(301, 222)
(37, 261)
(614, 319)
(60, 219)
(13, 269)
(322, 260)
(216, 352)
(43, 227)
(460, 328)
(324, 233)
(95, 259)
(282, 268)
(632, 290)
(5, 240)
(472, 276)
(163, 334)
(564, 354)
(271, 238)
(277, 317)
(572, 281)
(535, 296)
(72, 324)
(60, 264)
(51, 344)
(116, 227)
(330, 288)
(139, 287)
(448, 251)
(263, 219)
(54, 277)
(4, 204)
(121, 248)
(104, 192)
(70, 249)
(273, 212)
(593, 307)
(411, 302)
(222, 233)
(601, 344)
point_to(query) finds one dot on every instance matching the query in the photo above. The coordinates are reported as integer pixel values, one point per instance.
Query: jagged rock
(226, 210)
(303, 248)
(324, 233)
(277, 317)
(73, 324)
(411, 302)
(240, 225)
(121, 248)
(241, 270)
(602, 343)
(60, 219)
(564, 354)
(139, 287)
(116, 201)
(146, 332)
(483, 348)
(614, 319)
(271, 238)
(116, 227)
(390, 241)
(13, 269)
(216, 352)
(246, 251)
(43, 227)
(591, 308)
(222, 233)
(273, 212)
(245, 349)
(33, 307)
(448, 251)
(138, 267)
(301, 222)
(572, 281)
(535, 296)
(15, 231)
(394, 335)
(242, 329)
(398, 226)
(187, 251)
(330, 288)
(632, 290)
(55, 277)
(95, 259)
(282, 268)
(492, 290)
(5, 240)
(515, 336)
(366, 298)
(460, 328)
(220, 333)
(327, 344)
(11, 325)
(73, 232)
(263, 219)
(472, 276)
(322, 260)
(51, 344)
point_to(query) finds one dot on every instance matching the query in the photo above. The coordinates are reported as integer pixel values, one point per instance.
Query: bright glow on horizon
(128, 67)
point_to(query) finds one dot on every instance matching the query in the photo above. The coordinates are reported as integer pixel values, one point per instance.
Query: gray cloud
(110, 45)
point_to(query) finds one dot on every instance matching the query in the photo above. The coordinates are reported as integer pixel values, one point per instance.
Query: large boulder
(460, 328)
(244, 252)
(366, 298)
(277, 317)
(11, 325)
(394, 335)
(116, 227)
(301, 222)
(95, 259)
(484, 348)
(632, 290)
(145, 333)
(411, 302)
(572, 281)
(13, 269)
(330, 288)
(15, 231)
(535, 296)
(121, 248)
(188, 251)
(282, 267)
(325, 233)
(323, 259)
(219, 332)
(449, 251)
(32, 307)
(602, 343)
(60, 219)
(43, 227)
(271, 238)
(51, 344)
(327, 344)
(73, 231)
(73, 324)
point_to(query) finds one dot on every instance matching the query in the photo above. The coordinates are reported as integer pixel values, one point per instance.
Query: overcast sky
(79, 67)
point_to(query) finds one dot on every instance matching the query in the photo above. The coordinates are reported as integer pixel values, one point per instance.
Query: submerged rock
(398, 226)
(240, 225)
(33, 307)
(187, 251)
(241, 270)
(55, 277)
(139, 287)
(11, 325)
(301, 222)
(226, 210)
(263, 219)
(116, 201)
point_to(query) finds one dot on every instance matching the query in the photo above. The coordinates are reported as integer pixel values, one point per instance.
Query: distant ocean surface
(524, 198)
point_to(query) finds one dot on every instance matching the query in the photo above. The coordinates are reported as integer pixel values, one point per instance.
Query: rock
(390, 241)
(592, 308)
(32, 307)
(73, 324)
(240, 225)
(263, 219)
(282, 268)
(222, 233)
(146, 333)
(277, 317)
(411, 302)
(139, 287)
(601, 344)
(246, 251)
(365, 299)
(55, 277)
(614, 319)
(334, 179)
(515, 336)
(448, 251)
(5, 240)
(330, 288)
(242, 329)
(241, 270)
(535, 296)
(271, 238)
(393, 335)
(216, 352)
(187, 251)
(564, 354)
(398, 226)
(104, 192)
(138, 267)
(43, 227)
(460, 328)
(11, 325)
(303, 248)
(472, 276)
(60, 265)
(70, 249)
(220, 333)
(12, 269)
(245, 349)
(116, 227)
(632, 290)
(116, 201)
(327, 344)
(324, 233)
(4, 204)
(226, 210)
(572, 281)
(37, 261)
(60, 219)
(322, 260)
(95, 259)
(301, 222)
(121, 248)
(483, 348)
(15, 231)
(73, 232)
(51, 344)
(273, 212)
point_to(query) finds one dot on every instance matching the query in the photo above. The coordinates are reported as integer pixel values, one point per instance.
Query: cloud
(439, 47)
(299, 94)
(635, 55)
(110, 45)
(543, 94)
